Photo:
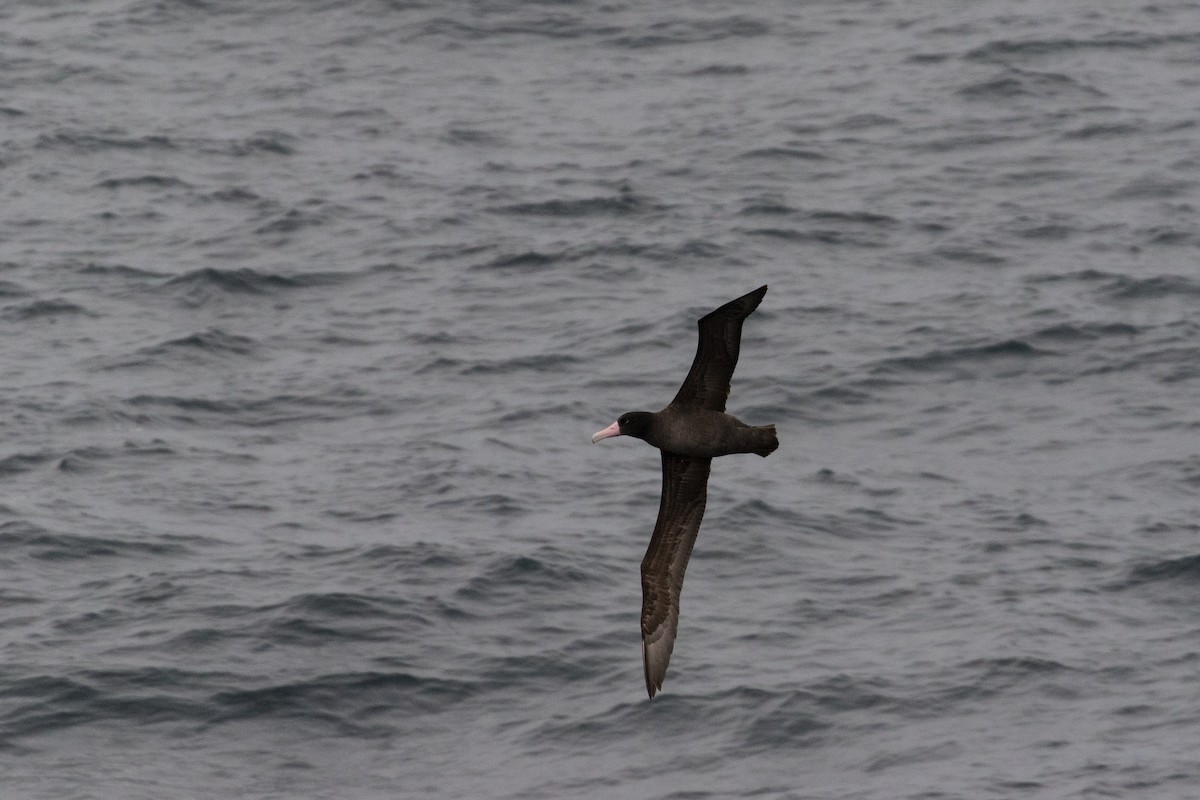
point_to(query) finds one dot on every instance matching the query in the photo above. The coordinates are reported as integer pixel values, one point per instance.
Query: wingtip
(652, 686)
(755, 297)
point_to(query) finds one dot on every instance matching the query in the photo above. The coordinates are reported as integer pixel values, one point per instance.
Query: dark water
(309, 309)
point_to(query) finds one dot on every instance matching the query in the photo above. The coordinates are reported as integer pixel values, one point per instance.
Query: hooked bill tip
(611, 430)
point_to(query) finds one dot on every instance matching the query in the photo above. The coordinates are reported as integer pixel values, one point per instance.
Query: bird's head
(634, 423)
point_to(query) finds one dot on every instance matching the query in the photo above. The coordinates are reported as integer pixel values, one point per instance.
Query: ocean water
(308, 311)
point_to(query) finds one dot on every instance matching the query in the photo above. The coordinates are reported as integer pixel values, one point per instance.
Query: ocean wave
(1154, 187)
(119, 271)
(1123, 287)
(1104, 130)
(964, 141)
(544, 571)
(17, 463)
(552, 26)
(10, 289)
(766, 207)
(581, 662)
(78, 459)
(1009, 351)
(309, 620)
(144, 181)
(291, 221)
(529, 261)
(343, 604)
(623, 204)
(47, 703)
(1035, 176)
(190, 404)
(825, 237)
(46, 545)
(473, 137)
(44, 309)
(271, 142)
(1184, 569)
(1168, 236)
(1087, 331)
(417, 556)
(604, 261)
(475, 506)
(93, 142)
(1088, 275)
(757, 511)
(1004, 49)
(542, 362)
(566, 26)
(684, 31)
(977, 681)
(1014, 83)
(853, 394)
(969, 255)
(822, 226)
(720, 71)
(83, 459)
(944, 750)
(742, 720)
(213, 342)
(342, 701)
(855, 217)
(794, 720)
(785, 153)
(235, 195)
(337, 402)
(204, 285)
(359, 704)
(315, 619)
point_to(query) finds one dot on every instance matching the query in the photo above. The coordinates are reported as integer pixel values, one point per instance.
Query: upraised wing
(707, 382)
(685, 484)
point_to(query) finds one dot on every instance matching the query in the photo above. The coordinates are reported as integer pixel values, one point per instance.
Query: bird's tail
(765, 440)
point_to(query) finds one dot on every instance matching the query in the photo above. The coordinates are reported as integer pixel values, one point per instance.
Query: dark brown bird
(690, 432)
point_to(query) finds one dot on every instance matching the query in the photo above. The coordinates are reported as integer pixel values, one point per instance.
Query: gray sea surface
(309, 309)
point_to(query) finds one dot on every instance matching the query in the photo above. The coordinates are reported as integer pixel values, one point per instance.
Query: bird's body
(690, 432)
(702, 433)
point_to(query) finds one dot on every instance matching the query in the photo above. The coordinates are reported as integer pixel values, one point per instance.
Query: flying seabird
(690, 432)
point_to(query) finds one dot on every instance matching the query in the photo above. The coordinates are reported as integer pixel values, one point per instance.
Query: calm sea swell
(308, 313)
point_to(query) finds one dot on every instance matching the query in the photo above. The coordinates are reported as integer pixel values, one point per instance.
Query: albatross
(690, 432)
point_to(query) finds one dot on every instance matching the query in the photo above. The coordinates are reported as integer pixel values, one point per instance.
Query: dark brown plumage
(690, 432)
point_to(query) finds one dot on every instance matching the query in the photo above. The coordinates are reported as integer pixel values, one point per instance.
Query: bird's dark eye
(623, 421)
